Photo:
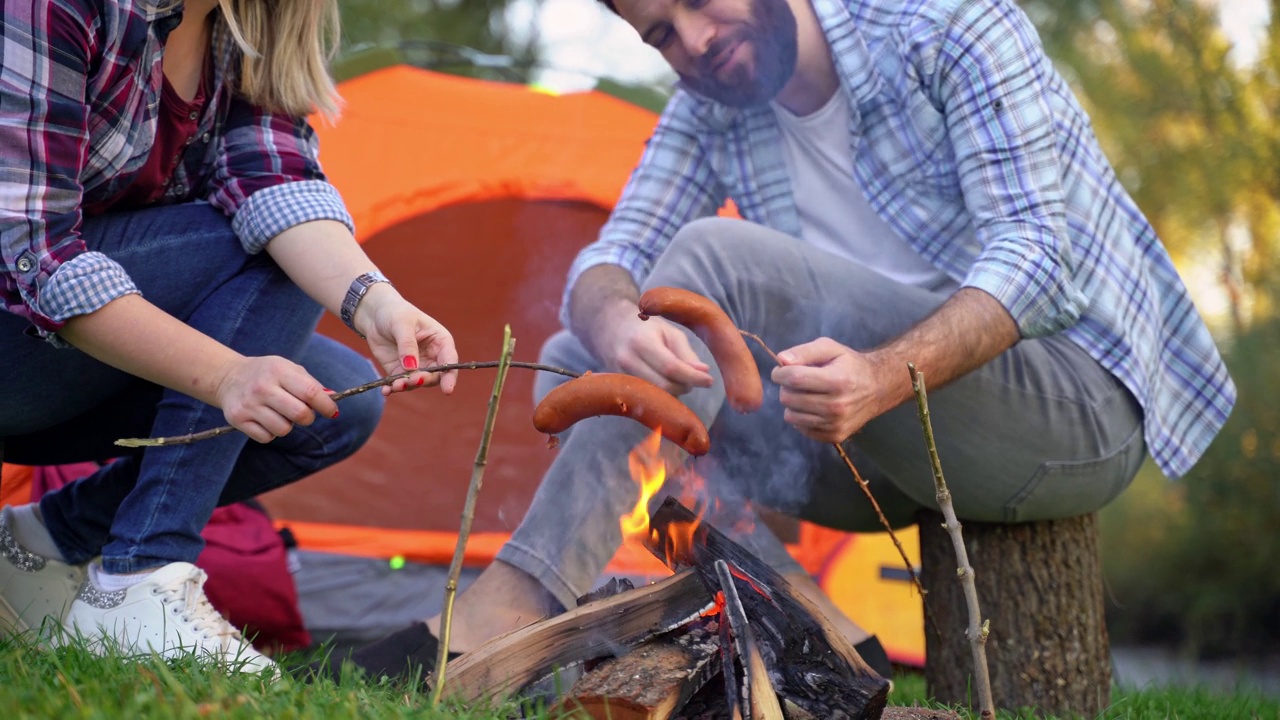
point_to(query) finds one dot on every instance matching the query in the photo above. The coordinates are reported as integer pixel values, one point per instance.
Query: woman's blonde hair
(286, 46)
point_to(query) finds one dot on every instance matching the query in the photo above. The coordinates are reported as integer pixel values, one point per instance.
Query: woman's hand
(402, 338)
(265, 397)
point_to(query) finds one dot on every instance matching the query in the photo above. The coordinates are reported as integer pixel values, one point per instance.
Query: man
(918, 185)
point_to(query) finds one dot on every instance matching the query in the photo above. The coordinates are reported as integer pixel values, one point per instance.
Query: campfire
(724, 636)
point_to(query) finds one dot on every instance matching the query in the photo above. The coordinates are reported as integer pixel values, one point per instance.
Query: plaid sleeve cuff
(1034, 287)
(79, 286)
(272, 210)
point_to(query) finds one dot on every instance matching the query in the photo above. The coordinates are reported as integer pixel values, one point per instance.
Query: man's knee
(699, 250)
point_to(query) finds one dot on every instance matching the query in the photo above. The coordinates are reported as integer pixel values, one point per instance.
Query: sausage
(596, 394)
(742, 386)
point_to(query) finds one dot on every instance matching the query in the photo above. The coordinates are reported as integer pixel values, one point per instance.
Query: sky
(581, 39)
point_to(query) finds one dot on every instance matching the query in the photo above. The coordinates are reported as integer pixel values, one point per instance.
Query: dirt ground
(916, 713)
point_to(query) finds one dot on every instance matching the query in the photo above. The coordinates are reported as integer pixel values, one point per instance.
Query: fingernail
(328, 390)
(421, 381)
(409, 362)
(784, 357)
(335, 414)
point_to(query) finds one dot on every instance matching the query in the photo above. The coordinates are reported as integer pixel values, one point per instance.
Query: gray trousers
(1040, 432)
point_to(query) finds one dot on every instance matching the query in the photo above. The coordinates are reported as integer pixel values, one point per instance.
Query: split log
(505, 665)
(1040, 586)
(810, 662)
(757, 689)
(650, 682)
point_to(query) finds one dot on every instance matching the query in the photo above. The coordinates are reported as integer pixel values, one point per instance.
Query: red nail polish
(335, 414)
(409, 362)
(421, 381)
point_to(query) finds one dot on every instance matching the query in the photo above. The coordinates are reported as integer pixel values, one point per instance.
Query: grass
(71, 683)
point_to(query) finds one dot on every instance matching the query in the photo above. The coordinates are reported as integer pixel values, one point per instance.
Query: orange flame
(716, 608)
(650, 473)
(679, 545)
(648, 470)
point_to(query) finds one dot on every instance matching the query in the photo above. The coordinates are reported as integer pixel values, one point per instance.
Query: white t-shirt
(834, 214)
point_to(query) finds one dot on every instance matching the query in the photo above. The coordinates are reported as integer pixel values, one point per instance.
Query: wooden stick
(866, 490)
(978, 629)
(469, 512)
(884, 521)
(219, 431)
(727, 656)
(761, 699)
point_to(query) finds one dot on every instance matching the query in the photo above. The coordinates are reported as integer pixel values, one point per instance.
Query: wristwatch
(355, 294)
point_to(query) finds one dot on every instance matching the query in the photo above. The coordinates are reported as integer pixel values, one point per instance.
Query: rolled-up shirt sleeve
(990, 76)
(48, 276)
(673, 184)
(268, 177)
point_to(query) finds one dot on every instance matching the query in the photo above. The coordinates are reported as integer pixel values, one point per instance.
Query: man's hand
(655, 350)
(828, 390)
(605, 314)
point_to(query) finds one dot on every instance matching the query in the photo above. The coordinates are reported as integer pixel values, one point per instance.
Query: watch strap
(356, 293)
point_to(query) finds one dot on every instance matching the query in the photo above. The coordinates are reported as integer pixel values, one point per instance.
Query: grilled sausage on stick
(597, 394)
(742, 386)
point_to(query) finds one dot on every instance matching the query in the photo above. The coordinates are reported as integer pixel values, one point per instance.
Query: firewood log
(812, 664)
(649, 682)
(508, 663)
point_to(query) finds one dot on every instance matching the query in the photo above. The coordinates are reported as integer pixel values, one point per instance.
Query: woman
(169, 242)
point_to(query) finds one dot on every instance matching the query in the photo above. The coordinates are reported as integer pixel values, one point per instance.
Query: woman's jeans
(148, 507)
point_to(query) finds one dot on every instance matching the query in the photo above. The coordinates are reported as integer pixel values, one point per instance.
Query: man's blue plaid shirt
(971, 146)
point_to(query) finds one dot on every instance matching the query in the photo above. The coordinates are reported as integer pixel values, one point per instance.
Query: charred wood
(650, 682)
(811, 664)
(760, 700)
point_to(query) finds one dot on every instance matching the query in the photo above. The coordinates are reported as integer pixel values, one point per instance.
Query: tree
(1183, 124)
(467, 37)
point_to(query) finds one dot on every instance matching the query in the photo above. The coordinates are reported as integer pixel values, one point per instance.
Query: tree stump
(1040, 585)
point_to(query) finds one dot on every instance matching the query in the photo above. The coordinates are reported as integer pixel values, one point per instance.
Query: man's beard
(771, 35)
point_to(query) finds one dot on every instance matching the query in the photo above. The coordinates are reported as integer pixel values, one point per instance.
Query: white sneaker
(35, 591)
(167, 614)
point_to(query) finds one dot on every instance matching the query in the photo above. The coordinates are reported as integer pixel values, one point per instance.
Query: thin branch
(469, 513)
(762, 343)
(978, 629)
(884, 521)
(866, 489)
(218, 431)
